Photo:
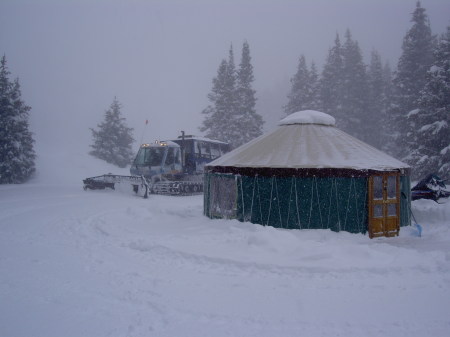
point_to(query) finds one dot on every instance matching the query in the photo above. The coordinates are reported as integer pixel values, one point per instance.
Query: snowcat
(172, 167)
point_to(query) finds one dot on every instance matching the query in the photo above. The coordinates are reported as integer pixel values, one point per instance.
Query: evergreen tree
(217, 112)
(113, 139)
(354, 92)
(231, 79)
(432, 118)
(389, 131)
(248, 124)
(387, 89)
(331, 81)
(376, 106)
(300, 87)
(220, 114)
(416, 59)
(231, 116)
(314, 96)
(304, 89)
(16, 142)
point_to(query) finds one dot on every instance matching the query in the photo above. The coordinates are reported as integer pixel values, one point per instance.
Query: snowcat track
(177, 188)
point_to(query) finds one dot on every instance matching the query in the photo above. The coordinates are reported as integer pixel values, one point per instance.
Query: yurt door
(384, 205)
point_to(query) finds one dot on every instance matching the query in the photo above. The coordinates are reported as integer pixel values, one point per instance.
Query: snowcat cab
(158, 161)
(198, 151)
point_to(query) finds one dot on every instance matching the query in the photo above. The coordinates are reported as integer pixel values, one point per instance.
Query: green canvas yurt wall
(306, 174)
(336, 203)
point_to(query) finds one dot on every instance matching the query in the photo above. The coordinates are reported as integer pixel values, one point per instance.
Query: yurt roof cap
(308, 117)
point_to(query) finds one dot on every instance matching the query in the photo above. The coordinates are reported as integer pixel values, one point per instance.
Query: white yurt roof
(308, 139)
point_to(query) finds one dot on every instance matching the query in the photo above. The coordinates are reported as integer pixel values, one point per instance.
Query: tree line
(405, 112)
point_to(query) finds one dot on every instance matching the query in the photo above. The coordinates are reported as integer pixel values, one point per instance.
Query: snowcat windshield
(150, 156)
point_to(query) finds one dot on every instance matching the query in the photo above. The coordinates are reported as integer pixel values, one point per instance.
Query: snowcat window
(155, 156)
(203, 150)
(215, 150)
(173, 156)
(170, 157)
(224, 148)
(197, 149)
(150, 156)
(188, 146)
(140, 157)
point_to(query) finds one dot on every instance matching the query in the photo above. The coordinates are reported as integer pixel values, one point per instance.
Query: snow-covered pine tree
(231, 79)
(376, 107)
(304, 89)
(248, 123)
(113, 139)
(389, 130)
(354, 92)
(331, 81)
(297, 97)
(16, 141)
(410, 78)
(220, 114)
(387, 84)
(216, 111)
(432, 118)
(230, 116)
(314, 97)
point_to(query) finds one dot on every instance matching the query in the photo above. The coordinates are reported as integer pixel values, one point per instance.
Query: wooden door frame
(390, 225)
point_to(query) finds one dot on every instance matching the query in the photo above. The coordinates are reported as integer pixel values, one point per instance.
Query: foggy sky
(159, 57)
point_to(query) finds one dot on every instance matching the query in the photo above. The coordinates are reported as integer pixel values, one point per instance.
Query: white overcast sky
(159, 57)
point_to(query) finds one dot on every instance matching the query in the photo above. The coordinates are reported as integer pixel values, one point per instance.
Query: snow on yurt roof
(308, 117)
(308, 139)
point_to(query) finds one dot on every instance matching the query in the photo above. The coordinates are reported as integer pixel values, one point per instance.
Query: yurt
(308, 174)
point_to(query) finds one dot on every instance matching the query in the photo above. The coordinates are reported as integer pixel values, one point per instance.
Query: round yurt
(308, 174)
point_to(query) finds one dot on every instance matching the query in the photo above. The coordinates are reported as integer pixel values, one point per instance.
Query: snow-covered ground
(108, 263)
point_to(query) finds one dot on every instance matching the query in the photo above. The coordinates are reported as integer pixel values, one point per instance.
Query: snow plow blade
(110, 180)
(431, 187)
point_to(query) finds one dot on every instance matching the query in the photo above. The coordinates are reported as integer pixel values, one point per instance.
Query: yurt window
(392, 187)
(223, 196)
(378, 187)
